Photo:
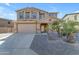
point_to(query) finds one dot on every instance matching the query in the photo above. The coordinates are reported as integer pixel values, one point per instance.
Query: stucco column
(15, 27)
(24, 15)
(37, 15)
(30, 14)
(46, 15)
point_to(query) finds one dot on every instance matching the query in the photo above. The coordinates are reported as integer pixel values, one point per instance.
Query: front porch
(43, 27)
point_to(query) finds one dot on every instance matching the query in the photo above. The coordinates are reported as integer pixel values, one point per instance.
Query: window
(27, 15)
(34, 15)
(21, 15)
(52, 14)
(41, 15)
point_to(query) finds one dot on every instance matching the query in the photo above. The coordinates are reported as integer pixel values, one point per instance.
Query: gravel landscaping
(42, 46)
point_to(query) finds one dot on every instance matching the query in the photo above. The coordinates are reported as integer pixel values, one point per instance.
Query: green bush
(68, 27)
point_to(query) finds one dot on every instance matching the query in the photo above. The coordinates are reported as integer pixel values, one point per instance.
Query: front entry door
(43, 27)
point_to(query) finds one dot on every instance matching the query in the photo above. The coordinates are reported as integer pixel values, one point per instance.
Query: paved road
(17, 44)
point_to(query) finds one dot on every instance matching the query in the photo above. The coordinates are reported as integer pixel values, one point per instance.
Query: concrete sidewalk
(5, 35)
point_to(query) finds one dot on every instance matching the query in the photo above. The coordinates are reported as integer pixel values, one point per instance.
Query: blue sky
(8, 10)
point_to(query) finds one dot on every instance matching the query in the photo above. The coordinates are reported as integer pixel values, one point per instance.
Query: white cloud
(8, 4)
(7, 13)
(77, 11)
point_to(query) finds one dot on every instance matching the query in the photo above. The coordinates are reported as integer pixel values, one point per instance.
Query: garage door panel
(28, 28)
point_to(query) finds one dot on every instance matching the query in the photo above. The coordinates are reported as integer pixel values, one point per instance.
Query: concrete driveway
(16, 44)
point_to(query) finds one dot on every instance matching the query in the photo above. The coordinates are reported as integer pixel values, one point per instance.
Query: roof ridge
(31, 7)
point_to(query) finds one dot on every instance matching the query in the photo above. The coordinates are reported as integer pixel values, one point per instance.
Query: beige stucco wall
(72, 17)
(77, 17)
(4, 23)
(38, 28)
(5, 27)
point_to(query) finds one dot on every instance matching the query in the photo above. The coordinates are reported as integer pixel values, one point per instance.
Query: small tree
(56, 26)
(69, 29)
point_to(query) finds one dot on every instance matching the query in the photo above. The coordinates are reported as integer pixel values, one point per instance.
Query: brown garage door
(28, 28)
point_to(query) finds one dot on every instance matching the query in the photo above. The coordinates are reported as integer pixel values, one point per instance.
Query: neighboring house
(33, 20)
(72, 17)
(6, 25)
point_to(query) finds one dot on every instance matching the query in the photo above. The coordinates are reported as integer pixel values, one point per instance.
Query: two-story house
(72, 17)
(32, 20)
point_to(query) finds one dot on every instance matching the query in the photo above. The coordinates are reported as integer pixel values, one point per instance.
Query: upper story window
(21, 15)
(27, 15)
(41, 15)
(34, 15)
(52, 14)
